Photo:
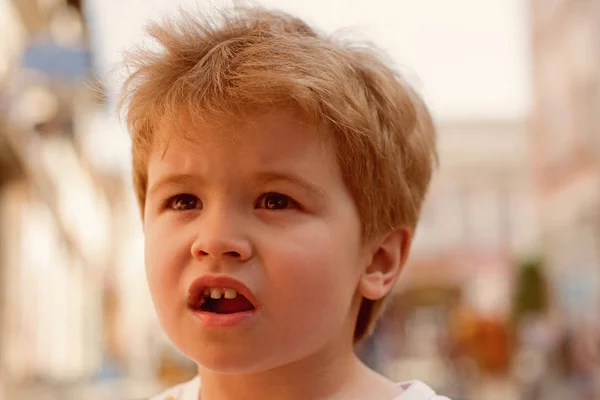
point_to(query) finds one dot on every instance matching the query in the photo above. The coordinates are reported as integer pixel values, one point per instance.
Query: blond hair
(255, 60)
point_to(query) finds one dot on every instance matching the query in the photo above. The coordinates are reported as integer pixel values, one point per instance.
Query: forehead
(265, 138)
(278, 142)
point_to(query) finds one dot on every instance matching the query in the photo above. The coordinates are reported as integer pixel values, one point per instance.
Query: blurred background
(501, 296)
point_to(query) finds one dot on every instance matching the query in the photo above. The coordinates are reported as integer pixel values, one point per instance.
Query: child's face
(265, 205)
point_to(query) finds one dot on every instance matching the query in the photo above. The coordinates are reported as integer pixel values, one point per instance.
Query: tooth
(200, 302)
(230, 293)
(215, 293)
(206, 292)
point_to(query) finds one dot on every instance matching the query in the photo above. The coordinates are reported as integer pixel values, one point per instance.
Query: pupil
(277, 202)
(185, 202)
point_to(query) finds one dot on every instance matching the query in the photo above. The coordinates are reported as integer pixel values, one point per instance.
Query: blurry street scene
(501, 297)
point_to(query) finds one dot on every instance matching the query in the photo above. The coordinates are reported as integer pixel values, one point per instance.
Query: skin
(265, 203)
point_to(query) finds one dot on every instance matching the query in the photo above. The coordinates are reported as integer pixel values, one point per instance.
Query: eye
(276, 201)
(183, 202)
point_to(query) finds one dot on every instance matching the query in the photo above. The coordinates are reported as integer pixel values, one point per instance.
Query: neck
(327, 375)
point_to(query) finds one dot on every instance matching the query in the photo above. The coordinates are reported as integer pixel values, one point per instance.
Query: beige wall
(482, 197)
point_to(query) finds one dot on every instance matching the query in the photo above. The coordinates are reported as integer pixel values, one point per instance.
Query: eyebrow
(265, 177)
(312, 189)
(174, 179)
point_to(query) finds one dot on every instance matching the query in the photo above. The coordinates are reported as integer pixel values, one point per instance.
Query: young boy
(280, 174)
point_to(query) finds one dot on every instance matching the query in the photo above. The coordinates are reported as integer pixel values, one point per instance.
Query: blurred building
(481, 203)
(56, 208)
(566, 122)
(480, 217)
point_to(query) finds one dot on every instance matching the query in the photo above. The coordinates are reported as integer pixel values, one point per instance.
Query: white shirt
(413, 390)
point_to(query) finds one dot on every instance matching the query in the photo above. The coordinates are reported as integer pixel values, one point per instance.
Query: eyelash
(261, 202)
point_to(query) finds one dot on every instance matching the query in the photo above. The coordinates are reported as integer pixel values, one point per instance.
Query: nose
(220, 236)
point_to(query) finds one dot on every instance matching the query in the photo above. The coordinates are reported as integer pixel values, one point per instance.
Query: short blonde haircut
(258, 60)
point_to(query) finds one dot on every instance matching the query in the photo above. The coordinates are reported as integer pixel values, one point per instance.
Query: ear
(389, 255)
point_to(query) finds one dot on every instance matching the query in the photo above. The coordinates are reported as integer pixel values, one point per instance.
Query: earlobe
(388, 258)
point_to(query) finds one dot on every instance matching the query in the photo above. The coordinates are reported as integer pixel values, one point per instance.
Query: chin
(224, 361)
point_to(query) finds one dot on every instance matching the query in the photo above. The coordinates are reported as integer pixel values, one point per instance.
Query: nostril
(221, 248)
(234, 254)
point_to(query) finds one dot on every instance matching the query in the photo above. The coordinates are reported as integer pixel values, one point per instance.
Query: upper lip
(218, 281)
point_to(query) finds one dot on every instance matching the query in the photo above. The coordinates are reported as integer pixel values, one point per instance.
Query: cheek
(165, 255)
(314, 270)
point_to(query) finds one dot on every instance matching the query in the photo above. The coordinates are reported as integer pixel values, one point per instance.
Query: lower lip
(214, 320)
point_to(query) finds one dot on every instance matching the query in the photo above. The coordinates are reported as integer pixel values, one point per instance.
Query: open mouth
(221, 301)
